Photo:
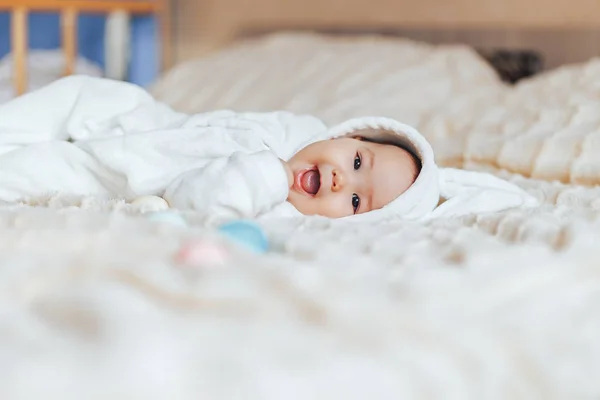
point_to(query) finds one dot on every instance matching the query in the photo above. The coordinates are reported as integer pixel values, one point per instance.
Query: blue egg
(168, 217)
(247, 234)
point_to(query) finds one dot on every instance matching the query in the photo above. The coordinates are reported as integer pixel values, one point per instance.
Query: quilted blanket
(94, 304)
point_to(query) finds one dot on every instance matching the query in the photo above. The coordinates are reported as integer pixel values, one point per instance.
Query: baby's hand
(289, 173)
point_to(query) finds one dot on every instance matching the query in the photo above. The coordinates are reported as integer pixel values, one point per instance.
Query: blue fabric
(44, 33)
(247, 234)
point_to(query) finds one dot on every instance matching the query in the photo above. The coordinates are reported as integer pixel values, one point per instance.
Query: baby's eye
(357, 161)
(355, 202)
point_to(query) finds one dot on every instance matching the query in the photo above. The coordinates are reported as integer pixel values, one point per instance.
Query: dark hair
(414, 158)
(416, 162)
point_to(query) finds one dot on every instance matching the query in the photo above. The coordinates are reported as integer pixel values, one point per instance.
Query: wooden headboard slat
(68, 23)
(19, 39)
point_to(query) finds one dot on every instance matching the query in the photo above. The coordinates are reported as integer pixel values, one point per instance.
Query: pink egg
(200, 253)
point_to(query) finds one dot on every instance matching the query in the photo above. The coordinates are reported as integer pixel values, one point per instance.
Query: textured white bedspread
(503, 306)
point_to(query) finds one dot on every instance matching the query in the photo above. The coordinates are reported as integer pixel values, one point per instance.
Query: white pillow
(332, 78)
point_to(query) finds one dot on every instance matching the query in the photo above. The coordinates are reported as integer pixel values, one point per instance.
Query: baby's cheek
(335, 206)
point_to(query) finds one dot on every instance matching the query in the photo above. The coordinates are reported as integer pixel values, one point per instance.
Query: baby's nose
(337, 182)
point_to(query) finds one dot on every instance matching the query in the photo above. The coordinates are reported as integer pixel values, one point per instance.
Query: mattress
(506, 305)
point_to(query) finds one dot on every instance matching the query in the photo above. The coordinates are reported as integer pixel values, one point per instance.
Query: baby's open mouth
(310, 180)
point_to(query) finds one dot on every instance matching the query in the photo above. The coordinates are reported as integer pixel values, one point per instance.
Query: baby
(91, 136)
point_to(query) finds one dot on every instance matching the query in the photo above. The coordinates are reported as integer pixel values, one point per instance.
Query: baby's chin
(293, 199)
(304, 204)
(313, 206)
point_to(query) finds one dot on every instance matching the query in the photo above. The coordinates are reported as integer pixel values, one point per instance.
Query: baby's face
(341, 177)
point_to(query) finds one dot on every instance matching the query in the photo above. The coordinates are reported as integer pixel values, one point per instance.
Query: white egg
(147, 204)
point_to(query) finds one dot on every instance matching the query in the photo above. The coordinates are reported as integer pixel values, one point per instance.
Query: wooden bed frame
(69, 10)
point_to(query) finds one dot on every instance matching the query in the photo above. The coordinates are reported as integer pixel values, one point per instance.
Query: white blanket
(493, 306)
(125, 144)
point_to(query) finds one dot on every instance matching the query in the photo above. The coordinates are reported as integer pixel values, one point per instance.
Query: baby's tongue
(311, 181)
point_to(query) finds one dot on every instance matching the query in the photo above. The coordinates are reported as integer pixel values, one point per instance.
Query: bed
(493, 306)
